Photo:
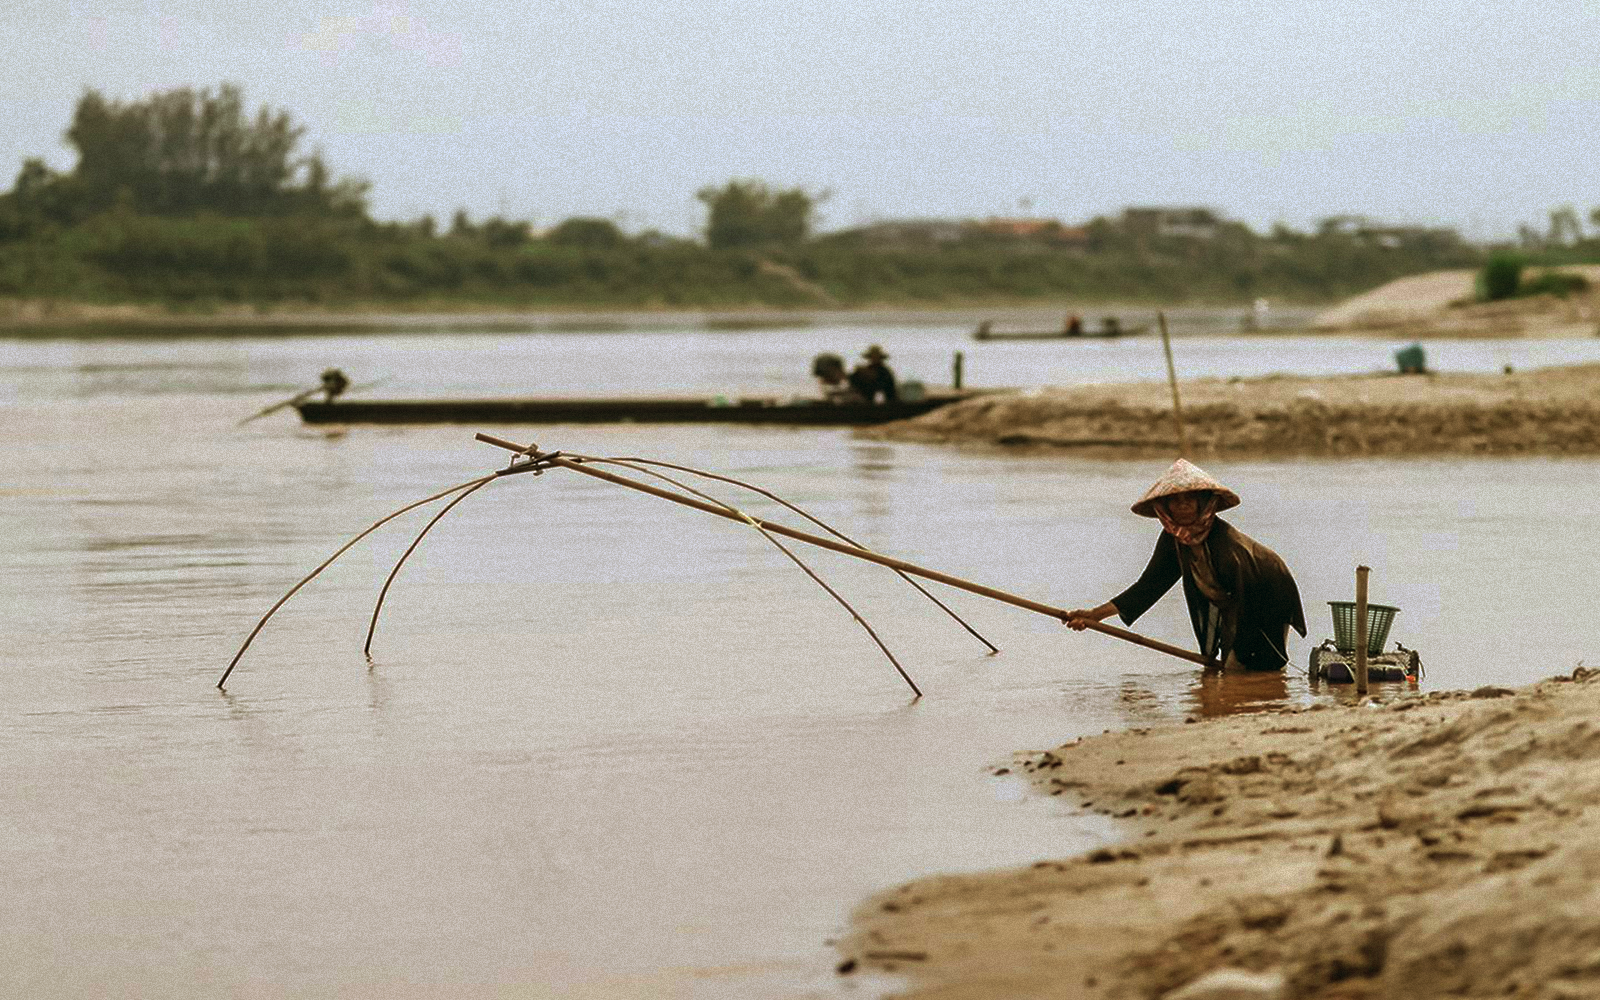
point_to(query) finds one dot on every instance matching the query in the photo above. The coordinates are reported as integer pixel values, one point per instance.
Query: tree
(747, 214)
(35, 199)
(1564, 226)
(588, 234)
(498, 232)
(183, 151)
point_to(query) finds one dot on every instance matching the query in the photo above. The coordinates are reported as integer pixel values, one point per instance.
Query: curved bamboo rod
(754, 523)
(366, 648)
(824, 526)
(541, 462)
(471, 484)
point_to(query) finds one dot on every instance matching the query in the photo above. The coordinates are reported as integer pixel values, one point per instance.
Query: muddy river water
(605, 746)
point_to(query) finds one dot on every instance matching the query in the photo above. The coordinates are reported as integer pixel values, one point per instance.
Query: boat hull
(1132, 331)
(591, 411)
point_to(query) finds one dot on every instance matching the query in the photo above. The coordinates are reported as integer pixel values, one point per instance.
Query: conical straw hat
(1183, 477)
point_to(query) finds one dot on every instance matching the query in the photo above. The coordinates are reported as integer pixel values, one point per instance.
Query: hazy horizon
(1419, 114)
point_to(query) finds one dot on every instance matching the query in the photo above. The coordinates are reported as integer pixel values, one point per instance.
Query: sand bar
(1550, 411)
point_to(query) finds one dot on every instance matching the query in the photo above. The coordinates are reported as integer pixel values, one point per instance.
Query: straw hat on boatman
(1241, 596)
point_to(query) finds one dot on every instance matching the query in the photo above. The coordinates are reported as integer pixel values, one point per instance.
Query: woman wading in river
(1242, 599)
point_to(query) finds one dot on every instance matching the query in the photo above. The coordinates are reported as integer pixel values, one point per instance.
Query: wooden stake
(1172, 380)
(1361, 629)
(556, 460)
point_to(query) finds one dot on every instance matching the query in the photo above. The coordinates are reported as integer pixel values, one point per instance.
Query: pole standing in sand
(1242, 599)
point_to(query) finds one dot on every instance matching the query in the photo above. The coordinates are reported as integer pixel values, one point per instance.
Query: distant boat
(1067, 331)
(652, 410)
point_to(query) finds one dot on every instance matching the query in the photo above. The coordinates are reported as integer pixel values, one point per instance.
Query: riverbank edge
(1545, 412)
(47, 314)
(24, 312)
(1428, 845)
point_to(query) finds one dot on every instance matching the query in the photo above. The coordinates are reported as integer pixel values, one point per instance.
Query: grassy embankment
(211, 264)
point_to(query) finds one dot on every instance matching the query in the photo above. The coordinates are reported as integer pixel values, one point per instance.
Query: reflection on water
(1214, 693)
(1379, 691)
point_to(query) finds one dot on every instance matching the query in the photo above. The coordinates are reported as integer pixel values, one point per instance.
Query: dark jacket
(874, 380)
(1262, 596)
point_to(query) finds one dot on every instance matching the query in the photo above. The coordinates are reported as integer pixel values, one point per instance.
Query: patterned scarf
(1195, 532)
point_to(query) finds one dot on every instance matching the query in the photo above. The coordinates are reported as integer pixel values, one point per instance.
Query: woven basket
(1379, 618)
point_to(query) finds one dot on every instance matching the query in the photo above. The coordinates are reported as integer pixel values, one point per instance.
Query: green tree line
(186, 199)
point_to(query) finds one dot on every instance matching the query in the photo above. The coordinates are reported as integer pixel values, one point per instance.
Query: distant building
(1391, 237)
(924, 232)
(1023, 228)
(1194, 223)
(911, 231)
(1045, 230)
(1394, 237)
(1075, 236)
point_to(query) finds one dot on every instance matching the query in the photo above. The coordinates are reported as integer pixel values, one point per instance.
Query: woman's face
(1183, 508)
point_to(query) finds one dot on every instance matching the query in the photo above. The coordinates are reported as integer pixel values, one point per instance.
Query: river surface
(605, 746)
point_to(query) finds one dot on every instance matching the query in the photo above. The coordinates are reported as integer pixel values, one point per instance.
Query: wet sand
(1431, 845)
(1552, 411)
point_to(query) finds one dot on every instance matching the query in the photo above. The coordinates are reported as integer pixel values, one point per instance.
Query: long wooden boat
(671, 410)
(987, 332)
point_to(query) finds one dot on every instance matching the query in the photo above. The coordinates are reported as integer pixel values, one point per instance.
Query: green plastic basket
(1379, 618)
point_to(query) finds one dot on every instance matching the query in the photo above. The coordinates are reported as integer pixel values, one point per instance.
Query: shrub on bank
(1504, 277)
(1500, 278)
(1558, 283)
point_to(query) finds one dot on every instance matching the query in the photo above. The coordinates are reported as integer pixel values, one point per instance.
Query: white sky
(1468, 114)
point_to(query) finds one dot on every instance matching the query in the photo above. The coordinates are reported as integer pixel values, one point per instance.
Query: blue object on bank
(1411, 360)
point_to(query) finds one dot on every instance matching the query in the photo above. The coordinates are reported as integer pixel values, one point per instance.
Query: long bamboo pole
(992, 593)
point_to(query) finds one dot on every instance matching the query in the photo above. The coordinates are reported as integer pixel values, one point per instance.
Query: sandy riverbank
(1553, 411)
(1442, 304)
(1437, 845)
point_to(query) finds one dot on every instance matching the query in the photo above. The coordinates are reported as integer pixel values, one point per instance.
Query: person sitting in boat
(1242, 599)
(835, 381)
(1074, 327)
(334, 383)
(873, 378)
